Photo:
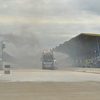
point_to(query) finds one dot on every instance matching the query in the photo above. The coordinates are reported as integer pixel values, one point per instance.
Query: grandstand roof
(84, 44)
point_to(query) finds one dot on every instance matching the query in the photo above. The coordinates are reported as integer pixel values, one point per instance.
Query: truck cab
(47, 60)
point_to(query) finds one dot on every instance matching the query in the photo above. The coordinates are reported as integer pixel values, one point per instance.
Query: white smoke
(23, 44)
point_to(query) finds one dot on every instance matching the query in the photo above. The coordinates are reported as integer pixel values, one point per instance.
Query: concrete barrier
(7, 69)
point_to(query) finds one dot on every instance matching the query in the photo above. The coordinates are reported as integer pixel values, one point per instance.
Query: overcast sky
(51, 21)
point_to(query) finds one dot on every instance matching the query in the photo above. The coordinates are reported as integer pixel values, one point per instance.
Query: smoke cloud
(22, 44)
(24, 47)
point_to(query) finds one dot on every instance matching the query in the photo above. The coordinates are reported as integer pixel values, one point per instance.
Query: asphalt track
(38, 75)
(37, 84)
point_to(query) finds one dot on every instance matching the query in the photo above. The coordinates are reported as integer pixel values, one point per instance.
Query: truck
(47, 60)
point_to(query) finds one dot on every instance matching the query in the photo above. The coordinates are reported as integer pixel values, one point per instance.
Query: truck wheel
(83, 66)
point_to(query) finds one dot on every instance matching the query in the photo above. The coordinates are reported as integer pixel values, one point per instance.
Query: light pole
(1, 55)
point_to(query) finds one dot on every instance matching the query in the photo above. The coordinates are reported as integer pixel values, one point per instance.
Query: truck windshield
(47, 59)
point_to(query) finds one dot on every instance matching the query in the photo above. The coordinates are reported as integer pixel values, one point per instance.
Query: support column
(94, 48)
(98, 46)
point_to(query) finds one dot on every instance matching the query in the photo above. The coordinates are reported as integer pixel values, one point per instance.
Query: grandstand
(84, 50)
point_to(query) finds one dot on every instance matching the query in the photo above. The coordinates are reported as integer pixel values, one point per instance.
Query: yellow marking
(90, 34)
